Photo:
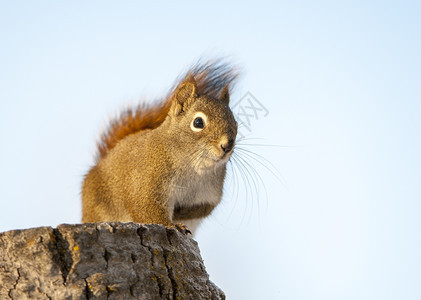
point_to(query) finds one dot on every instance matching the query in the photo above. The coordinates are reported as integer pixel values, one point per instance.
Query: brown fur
(193, 212)
(153, 167)
(211, 77)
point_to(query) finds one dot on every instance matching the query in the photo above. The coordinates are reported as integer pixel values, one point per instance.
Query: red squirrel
(166, 163)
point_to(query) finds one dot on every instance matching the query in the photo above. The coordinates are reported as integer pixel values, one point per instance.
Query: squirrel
(166, 163)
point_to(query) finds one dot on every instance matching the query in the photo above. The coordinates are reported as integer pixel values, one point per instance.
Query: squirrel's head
(205, 126)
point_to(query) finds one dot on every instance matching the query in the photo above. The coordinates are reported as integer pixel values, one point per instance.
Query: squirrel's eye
(198, 123)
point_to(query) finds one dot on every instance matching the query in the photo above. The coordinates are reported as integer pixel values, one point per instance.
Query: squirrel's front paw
(182, 228)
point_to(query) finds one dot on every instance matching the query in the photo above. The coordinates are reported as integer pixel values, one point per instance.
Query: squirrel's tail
(132, 120)
(210, 76)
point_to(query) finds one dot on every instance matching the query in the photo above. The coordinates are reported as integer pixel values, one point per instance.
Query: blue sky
(341, 82)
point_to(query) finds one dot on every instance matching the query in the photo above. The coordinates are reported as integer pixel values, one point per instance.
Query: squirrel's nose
(227, 147)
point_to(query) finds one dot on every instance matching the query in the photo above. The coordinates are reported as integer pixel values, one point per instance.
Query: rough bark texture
(102, 261)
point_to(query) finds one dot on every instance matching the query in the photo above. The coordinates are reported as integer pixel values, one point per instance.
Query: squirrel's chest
(202, 190)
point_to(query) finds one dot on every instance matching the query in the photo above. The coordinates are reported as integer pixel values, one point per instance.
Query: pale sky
(339, 213)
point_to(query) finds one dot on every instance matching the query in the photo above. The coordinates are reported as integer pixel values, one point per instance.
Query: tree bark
(102, 261)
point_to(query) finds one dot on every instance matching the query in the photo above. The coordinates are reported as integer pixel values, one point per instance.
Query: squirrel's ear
(224, 95)
(186, 91)
(184, 95)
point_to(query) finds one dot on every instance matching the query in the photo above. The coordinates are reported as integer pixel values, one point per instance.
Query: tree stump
(102, 261)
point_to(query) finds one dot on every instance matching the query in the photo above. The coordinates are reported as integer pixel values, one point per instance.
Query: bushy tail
(210, 76)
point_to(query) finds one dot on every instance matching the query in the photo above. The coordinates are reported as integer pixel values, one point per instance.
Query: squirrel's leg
(182, 228)
(158, 214)
(152, 213)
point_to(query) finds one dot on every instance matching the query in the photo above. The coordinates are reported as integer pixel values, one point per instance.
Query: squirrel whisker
(166, 162)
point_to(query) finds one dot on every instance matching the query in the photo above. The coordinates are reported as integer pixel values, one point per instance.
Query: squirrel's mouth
(223, 158)
(211, 162)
